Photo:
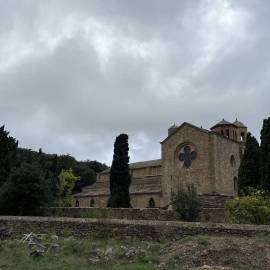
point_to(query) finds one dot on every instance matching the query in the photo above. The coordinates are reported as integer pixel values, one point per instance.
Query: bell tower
(236, 131)
(241, 130)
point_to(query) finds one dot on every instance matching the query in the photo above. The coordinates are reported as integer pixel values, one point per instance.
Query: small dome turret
(239, 124)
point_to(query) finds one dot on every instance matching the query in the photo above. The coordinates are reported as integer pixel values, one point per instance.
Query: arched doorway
(151, 203)
(92, 203)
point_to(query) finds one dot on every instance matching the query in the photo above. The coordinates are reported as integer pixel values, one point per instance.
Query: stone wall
(113, 213)
(173, 173)
(207, 214)
(224, 171)
(155, 230)
(215, 169)
(139, 200)
(136, 172)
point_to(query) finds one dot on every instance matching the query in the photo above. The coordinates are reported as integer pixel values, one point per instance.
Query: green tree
(265, 155)
(8, 153)
(96, 166)
(25, 191)
(248, 174)
(186, 203)
(87, 176)
(120, 179)
(66, 184)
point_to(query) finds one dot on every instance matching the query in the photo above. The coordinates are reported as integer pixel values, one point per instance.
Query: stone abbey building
(209, 159)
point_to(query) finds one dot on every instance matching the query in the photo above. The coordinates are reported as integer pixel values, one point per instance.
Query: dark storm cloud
(74, 74)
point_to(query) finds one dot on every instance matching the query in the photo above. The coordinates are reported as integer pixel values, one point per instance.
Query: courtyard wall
(154, 230)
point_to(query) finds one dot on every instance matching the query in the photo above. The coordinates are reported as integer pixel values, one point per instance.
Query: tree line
(254, 171)
(31, 180)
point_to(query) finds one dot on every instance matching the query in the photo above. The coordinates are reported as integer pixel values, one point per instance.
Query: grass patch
(75, 254)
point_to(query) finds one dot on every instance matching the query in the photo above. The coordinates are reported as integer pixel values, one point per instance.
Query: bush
(252, 209)
(187, 203)
(26, 191)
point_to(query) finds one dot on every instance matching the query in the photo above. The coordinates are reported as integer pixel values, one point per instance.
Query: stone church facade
(209, 159)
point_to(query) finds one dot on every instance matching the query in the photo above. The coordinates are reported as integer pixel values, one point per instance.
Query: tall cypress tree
(8, 153)
(265, 155)
(120, 179)
(248, 175)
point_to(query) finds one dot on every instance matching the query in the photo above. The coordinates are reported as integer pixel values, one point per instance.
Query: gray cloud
(74, 74)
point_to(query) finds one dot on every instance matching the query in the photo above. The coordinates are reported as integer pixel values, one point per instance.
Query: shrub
(26, 191)
(187, 203)
(253, 209)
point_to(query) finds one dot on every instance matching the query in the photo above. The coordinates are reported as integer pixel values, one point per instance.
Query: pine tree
(265, 155)
(120, 179)
(248, 175)
(8, 153)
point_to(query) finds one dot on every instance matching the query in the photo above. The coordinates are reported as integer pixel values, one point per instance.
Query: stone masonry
(208, 159)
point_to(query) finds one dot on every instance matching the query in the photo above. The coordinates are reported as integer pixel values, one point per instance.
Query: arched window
(151, 203)
(92, 203)
(232, 161)
(235, 183)
(222, 132)
(77, 203)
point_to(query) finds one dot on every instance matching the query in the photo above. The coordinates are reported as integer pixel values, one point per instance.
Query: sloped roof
(147, 185)
(137, 165)
(223, 122)
(238, 123)
(186, 124)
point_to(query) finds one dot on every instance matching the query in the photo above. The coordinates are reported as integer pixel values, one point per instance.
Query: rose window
(187, 155)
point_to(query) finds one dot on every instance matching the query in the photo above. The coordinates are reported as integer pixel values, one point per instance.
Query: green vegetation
(248, 175)
(133, 254)
(254, 171)
(25, 191)
(120, 179)
(254, 208)
(187, 204)
(30, 180)
(265, 155)
(8, 152)
(67, 182)
(82, 254)
(253, 181)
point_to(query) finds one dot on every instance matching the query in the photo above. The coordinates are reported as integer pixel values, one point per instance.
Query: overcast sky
(74, 74)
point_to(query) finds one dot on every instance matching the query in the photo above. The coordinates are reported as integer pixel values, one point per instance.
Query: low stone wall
(155, 230)
(207, 214)
(213, 201)
(113, 213)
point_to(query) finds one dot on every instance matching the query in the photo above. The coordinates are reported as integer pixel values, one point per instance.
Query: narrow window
(227, 133)
(92, 203)
(242, 137)
(77, 204)
(222, 132)
(151, 203)
(232, 161)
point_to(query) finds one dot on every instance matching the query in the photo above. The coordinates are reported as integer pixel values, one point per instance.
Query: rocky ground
(42, 252)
